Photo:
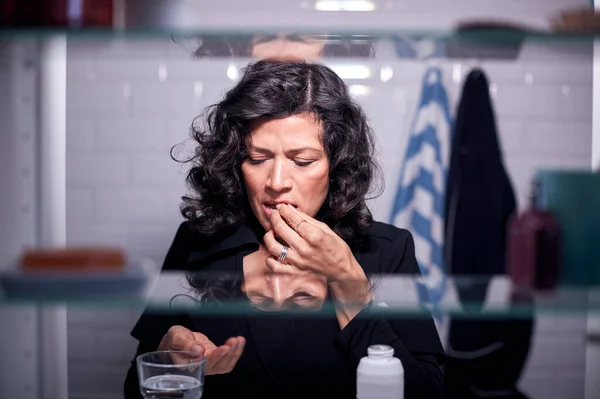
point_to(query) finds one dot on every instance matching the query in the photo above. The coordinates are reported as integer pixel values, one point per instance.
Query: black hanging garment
(485, 356)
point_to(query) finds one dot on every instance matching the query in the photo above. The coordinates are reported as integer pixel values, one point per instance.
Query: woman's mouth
(269, 208)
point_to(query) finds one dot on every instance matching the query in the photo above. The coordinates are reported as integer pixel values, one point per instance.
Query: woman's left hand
(313, 246)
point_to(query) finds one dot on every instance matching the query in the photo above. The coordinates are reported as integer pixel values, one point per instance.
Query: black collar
(247, 235)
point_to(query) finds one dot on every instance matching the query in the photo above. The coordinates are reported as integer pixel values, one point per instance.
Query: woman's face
(277, 291)
(286, 163)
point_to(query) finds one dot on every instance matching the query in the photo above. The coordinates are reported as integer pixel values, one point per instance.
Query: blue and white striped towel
(419, 201)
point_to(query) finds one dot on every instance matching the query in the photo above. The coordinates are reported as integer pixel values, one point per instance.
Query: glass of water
(171, 374)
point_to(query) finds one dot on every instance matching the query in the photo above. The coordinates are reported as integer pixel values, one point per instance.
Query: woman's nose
(280, 286)
(279, 177)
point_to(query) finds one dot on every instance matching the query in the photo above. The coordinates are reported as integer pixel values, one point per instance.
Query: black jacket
(301, 357)
(485, 357)
(479, 195)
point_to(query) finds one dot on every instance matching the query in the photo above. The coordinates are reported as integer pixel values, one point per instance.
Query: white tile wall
(127, 134)
(129, 102)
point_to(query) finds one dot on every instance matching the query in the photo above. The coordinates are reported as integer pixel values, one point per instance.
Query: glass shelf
(478, 33)
(464, 296)
(355, 35)
(481, 43)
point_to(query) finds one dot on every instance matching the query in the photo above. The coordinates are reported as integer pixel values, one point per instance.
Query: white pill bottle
(380, 375)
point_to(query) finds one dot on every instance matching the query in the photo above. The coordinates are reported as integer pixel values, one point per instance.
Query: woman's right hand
(219, 359)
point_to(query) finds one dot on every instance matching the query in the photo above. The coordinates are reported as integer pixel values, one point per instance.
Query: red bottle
(534, 247)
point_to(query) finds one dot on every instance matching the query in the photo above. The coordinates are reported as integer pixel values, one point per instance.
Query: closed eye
(303, 163)
(255, 161)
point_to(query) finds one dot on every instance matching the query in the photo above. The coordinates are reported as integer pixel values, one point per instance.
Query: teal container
(574, 199)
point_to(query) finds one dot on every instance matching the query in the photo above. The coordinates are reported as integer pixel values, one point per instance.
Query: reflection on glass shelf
(127, 281)
(228, 294)
(347, 36)
(503, 44)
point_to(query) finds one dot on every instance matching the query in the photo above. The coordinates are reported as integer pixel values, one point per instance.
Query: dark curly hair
(275, 89)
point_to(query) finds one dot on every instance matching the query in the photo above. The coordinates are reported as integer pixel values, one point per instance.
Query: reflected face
(287, 48)
(277, 291)
(286, 163)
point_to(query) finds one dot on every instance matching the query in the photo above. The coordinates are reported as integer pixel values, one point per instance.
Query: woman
(279, 179)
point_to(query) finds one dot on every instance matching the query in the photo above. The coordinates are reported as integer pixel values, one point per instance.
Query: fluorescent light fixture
(198, 89)
(493, 89)
(344, 5)
(352, 71)
(359, 90)
(163, 73)
(386, 73)
(457, 72)
(233, 73)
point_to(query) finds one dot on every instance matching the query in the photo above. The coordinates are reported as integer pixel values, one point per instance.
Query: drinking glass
(171, 374)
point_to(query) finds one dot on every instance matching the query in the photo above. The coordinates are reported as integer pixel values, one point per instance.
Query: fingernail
(277, 206)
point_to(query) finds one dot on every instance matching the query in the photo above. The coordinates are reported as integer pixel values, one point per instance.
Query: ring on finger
(283, 254)
(299, 223)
